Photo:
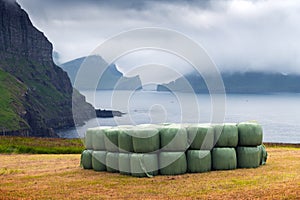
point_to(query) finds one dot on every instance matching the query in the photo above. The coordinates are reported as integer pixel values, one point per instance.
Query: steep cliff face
(20, 40)
(26, 54)
(19, 37)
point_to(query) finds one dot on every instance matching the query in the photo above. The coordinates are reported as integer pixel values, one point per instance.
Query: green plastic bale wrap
(263, 154)
(198, 161)
(226, 135)
(124, 163)
(164, 124)
(99, 160)
(200, 137)
(144, 165)
(88, 139)
(248, 157)
(125, 141)
(111, 139)
(152, 126)
(125, 126)
(173, 138)
(149, 126)
(145, 140)
(172, 163)
(98, 138)
(224, 158)
(250, 134)
(112, 162)
(86, 159)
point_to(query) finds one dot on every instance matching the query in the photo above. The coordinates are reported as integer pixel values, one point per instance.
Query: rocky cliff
(45, 101)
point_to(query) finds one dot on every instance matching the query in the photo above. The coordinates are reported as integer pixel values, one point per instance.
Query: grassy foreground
(60, 177)
(33, 145)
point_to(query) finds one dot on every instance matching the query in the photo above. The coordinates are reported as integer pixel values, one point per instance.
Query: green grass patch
(11, 91)
(30, 87)
(32, 145)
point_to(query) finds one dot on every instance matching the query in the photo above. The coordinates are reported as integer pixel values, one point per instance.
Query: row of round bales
(171, 149)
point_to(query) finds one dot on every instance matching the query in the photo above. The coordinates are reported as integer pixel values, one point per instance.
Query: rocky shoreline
(108, 113)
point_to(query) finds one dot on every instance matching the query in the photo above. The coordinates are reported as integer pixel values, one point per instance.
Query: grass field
(33, 145)
(26, 176)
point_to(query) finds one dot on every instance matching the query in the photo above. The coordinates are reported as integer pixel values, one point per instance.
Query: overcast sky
(238, 35)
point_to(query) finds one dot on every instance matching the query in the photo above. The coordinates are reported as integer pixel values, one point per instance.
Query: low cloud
(238, 35)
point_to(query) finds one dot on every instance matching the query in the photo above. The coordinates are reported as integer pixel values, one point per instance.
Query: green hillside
(11, 107)
(36, 95)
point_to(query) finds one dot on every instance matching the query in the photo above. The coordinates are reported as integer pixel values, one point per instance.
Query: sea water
(279, 114)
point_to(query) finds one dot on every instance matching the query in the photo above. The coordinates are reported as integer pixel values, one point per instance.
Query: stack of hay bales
(250, 152)
(174, 142)
(146, 143)
(171, 149)
(224, 153)
(201, 141)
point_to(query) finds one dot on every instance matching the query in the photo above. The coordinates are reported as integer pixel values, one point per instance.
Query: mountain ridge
(112, 78)
(240, 83)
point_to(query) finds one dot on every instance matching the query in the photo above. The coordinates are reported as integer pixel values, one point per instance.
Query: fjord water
(279, 114)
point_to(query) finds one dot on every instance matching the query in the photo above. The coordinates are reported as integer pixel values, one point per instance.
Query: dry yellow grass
(59, 177)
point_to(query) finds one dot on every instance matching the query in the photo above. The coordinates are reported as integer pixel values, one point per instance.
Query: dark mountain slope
(26, 57)
(11, 108)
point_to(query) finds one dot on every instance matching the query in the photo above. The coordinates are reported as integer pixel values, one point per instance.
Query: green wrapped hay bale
(263, 154)
(111, 139)
(164, 124)
(248, 157)
(124, 163)
(250, 134)
(173, 138)
(172, 163)
(125, 126)
(86, 159)
(224, 158)
(145, 140)
(198, 161)
(200, 137)
(125, 141)
(226, 135)
(99, 160)
(144, 165)
(149, 126)
(98, 138)
(112, 162)
(88, 139)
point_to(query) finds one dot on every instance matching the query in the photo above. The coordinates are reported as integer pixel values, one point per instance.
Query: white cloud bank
(238, 35)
